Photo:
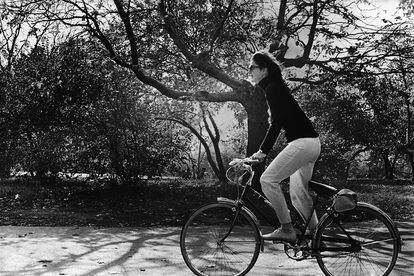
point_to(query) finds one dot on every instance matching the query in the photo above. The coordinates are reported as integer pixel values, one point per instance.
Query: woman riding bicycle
(297, 159)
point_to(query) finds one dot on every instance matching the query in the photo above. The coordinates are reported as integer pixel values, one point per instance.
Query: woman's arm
(276, 103)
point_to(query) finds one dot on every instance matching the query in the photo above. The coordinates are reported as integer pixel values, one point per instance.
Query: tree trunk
(389, 174)
(115, 156)
(410, 156)
(5, 166)
(215, 139)
(353, 156)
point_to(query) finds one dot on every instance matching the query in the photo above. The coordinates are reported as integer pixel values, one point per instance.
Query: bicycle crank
(297, 251)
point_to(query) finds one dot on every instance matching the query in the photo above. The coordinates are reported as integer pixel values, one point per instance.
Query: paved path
(41, 251)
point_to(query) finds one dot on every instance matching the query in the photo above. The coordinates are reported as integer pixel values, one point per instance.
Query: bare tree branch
(129, 32)
(216, 34)
(200, 138)
(199, 61)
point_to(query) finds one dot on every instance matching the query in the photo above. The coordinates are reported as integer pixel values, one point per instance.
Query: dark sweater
(285, 113)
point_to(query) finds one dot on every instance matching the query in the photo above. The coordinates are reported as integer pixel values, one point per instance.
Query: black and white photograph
(207, 137)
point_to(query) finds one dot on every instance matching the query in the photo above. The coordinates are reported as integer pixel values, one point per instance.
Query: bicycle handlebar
(240, 162)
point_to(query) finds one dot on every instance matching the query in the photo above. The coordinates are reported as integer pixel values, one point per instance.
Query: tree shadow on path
(86, 251)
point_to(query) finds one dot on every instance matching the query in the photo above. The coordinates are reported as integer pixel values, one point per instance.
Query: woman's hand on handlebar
(237, 162)
(259, 155)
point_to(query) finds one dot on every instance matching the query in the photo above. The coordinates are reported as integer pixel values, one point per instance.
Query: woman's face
(256, 72)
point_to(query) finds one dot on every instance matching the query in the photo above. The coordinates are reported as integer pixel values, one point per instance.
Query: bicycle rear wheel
(363, 241)
(207, 246)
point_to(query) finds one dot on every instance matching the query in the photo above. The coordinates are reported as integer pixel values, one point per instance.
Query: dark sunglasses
(252, 67)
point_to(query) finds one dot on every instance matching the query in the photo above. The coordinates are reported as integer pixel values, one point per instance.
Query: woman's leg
(299, 185)
(299, 194)
(279, 169)
(294, 156)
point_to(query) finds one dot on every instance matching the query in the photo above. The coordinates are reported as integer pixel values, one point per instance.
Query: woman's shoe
(280, 235)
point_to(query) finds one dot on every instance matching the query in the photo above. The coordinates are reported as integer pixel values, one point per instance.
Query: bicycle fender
(249, 213)
(244, 208)
(400, 242)
(395, 228)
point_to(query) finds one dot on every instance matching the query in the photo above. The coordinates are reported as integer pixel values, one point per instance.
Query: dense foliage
(66, 109)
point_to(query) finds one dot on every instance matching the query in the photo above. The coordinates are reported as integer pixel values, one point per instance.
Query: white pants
(296, 160)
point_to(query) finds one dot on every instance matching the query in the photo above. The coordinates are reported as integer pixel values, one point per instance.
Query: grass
(167, 203)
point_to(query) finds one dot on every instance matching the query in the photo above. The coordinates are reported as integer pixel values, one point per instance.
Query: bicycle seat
(322, 189)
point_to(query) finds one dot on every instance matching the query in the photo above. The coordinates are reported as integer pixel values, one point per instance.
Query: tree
(130, 137)
(401, 86)
(16, 33)
(213, 136)
(42, 95)
(66, 109)
(366, 116)
(171, 45)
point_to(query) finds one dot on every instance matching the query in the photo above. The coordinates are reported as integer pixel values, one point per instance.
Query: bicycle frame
(248, 205)
(251, 203)
(336, 238)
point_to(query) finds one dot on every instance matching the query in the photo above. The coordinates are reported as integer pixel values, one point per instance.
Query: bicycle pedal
(291, 243)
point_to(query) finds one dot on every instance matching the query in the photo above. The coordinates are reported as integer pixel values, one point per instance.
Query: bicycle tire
(375, 251)
(205, 254)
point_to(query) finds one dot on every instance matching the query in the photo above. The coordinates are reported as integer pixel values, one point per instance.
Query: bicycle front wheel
(219, 240)
(361, 242)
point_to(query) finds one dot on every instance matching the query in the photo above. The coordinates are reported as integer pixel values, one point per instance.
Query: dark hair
(265, 60)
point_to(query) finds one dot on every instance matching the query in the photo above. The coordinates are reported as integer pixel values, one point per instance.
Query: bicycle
(225, 238)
